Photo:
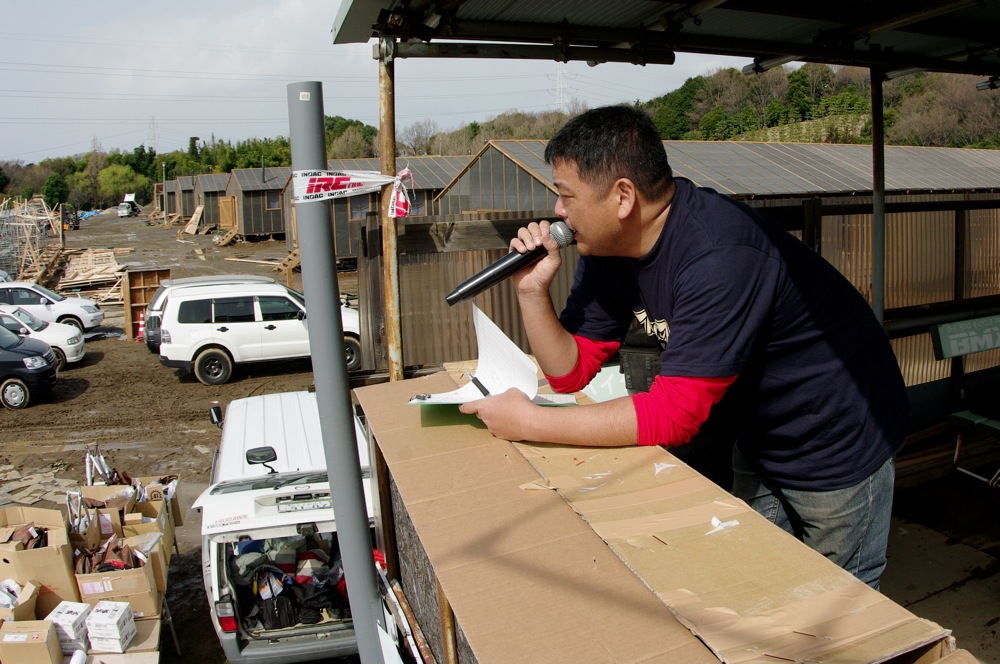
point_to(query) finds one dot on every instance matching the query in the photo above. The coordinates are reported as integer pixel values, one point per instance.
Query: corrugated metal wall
(434, 332)
(920, 268)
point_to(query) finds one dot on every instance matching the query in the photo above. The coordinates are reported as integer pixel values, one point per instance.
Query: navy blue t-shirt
(726, 291)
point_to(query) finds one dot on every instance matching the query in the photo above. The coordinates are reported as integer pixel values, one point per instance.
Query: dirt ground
(148, 419)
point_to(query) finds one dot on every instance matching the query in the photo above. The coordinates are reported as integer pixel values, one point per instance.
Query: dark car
(27, 366)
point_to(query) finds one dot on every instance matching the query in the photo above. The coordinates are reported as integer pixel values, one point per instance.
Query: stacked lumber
(87, 268)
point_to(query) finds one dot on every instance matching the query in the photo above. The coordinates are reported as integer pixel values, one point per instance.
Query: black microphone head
(561, 233)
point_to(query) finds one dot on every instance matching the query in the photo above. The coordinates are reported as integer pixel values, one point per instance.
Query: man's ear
(625, 194)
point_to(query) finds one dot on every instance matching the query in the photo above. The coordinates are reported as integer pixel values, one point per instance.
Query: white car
(66, 340)
(206, 330)
(50, 306)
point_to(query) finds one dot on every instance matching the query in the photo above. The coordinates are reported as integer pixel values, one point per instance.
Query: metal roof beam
(591, 55)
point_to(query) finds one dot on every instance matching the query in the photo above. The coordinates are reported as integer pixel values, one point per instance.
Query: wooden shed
(254, 205)
(208, 189)
(185, 189)
(170, 205)
(431, 174)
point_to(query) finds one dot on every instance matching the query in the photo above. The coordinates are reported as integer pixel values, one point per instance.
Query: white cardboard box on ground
(110, 620)
(114, 644)
(70, 620)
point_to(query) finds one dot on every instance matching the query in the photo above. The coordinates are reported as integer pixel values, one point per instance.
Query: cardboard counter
(550, 553)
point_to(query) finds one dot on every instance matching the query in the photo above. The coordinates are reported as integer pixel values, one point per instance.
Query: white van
(154, 310)
(268, 512)
(50, 306)
(206, 330)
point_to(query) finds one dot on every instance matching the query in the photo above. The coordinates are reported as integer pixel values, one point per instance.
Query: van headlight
(90, 309)
(35, 362)
(74, 340)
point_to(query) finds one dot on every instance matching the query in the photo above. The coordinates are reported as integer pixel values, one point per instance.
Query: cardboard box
(136, 586)
(153, 517)
(110, 620)
(147, 635)
(157, 491)
(70, 621)
(29, 642)
(114, 643)
(612, 544)
(24, 608)
(151, 545)
(110, 518)
(50, 567)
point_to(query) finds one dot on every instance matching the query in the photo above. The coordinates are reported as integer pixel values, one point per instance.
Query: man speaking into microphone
(741, 310)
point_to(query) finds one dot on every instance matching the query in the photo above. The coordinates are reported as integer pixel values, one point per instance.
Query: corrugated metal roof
(429, 172)
(186, 182)
(266, 179)
(956, 36)
(170, 186)
(213, 181)
(797, 169)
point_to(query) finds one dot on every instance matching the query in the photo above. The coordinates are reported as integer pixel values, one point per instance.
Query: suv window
(234, 310)
(275, 307)
(24, 296)
(195, 311)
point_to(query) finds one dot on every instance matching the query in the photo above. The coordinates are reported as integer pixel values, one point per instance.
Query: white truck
(268, 529)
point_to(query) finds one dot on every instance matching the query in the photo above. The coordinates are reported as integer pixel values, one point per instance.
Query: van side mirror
(44, 301)
(301, 315)
(23, 331)
(263, 456)
(215, 415)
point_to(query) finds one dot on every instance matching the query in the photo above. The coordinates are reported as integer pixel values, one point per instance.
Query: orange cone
(142, 327)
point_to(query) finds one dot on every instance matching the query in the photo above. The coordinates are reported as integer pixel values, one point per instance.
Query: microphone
(507, 266)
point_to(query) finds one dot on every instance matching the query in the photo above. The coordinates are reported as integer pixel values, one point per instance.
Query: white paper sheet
(502, 365)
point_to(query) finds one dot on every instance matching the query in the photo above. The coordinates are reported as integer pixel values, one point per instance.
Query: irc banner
(323, 185)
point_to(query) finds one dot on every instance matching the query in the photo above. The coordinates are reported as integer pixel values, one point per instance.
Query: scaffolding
(31, 238)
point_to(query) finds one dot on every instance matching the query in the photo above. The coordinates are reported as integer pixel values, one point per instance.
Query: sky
(116, 75)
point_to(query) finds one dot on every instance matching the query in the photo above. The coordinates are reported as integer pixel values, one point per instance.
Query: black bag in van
(275, 604)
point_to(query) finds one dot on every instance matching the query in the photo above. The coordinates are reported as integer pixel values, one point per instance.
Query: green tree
(799, 101)
(117, 180)
(55, 190)
(4, 180)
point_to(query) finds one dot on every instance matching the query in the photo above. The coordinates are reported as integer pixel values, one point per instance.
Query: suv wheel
(14, 393)
(352, 350)
(213, 366)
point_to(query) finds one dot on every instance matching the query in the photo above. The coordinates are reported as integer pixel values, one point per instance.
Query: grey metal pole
(326, 333)
(878, 194)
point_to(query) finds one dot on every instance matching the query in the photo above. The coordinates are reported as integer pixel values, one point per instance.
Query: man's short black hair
(614, 142)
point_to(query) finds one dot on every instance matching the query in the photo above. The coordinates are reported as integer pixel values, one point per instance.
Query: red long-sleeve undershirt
(670, 413)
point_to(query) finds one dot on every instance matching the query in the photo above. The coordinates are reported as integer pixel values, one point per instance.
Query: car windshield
(52, 295)
(29, 320)
(8, 339)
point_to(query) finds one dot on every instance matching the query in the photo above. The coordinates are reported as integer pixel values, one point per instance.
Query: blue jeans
(849, 526)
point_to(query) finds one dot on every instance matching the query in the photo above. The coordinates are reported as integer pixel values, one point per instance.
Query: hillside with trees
(811, 103)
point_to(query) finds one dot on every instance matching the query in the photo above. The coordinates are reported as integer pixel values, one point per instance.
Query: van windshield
(276, 481)
(268, 482)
